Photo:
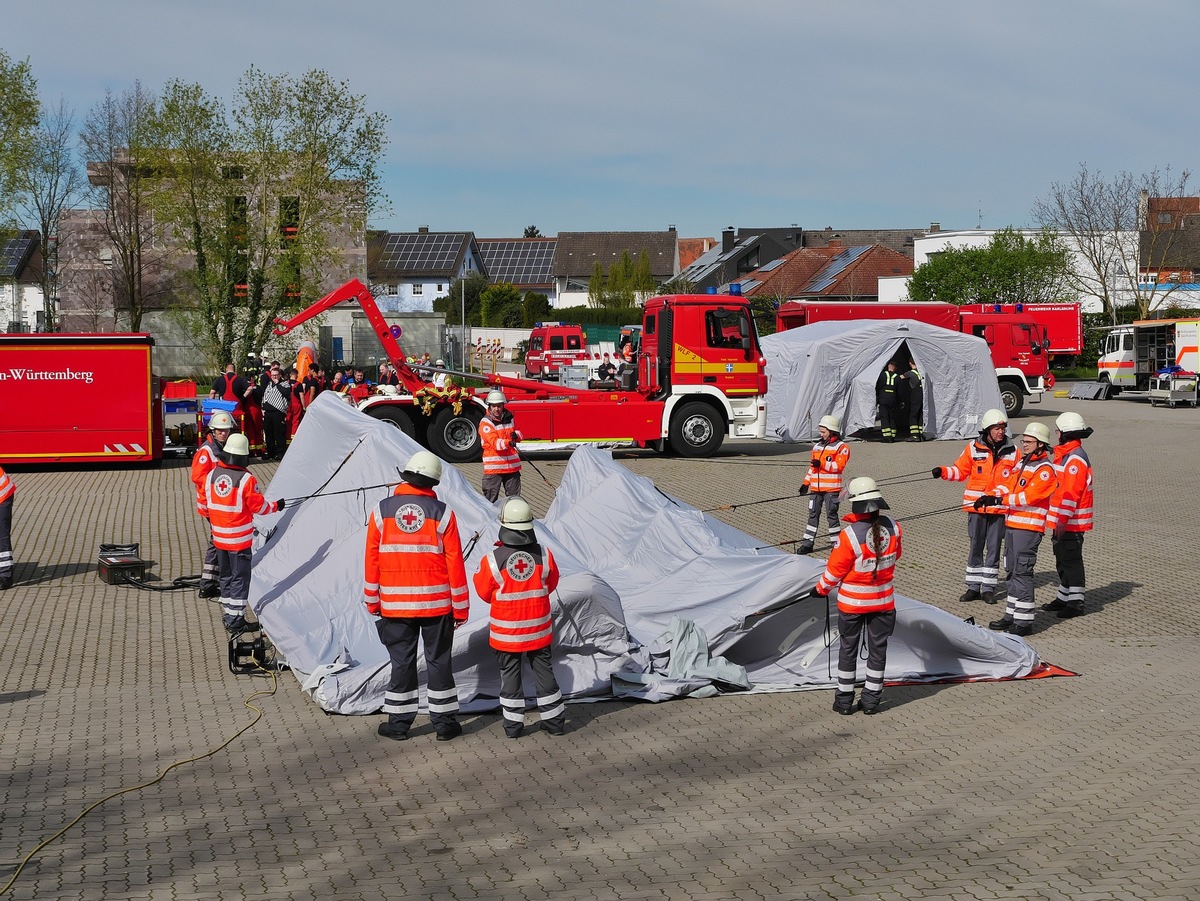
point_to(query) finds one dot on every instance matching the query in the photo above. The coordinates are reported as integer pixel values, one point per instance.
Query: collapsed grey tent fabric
(633, 561)
(832, 367)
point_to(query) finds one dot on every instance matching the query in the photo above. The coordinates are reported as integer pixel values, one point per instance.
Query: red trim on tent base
(1041, 671)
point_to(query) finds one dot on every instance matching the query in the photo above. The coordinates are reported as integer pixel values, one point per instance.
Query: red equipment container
(79, 398)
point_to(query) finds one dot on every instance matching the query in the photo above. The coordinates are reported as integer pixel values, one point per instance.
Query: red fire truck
(1018, 343)
(79, 399)
(1062, 323)
(700, 376)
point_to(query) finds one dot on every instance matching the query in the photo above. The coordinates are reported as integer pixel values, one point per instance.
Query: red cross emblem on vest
(520, 566)
(410, 518)
(222, 486)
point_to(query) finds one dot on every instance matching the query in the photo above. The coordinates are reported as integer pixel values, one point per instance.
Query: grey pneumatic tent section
(636, 566)
(832, 367)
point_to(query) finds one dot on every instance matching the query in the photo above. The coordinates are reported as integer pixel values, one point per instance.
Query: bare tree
(1106, 219)
(119, 142)
(46, 188)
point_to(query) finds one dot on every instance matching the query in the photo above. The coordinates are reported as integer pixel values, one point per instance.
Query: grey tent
(636, 564)
(831, 367)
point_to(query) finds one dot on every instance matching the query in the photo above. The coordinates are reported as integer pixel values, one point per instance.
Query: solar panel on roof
(12, 253)
(521, 262)
(771, 265)
(836, 267)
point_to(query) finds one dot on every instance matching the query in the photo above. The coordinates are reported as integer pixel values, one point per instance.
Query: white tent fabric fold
(633, 561)
(832, 367)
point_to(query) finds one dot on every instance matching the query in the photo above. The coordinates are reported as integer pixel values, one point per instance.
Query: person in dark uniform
(7, 492)
(887, 395)
(916, 402)
(274, 398)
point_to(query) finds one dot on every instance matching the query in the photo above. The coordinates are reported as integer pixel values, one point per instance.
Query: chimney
(935, 227)
(727, 240)
(422, 229)
(670, 228)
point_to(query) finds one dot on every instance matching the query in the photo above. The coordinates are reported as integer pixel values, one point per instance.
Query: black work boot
(1021, 629)
(1070, 611)
(1055, 605)
(970, 595)
(1003, 624)
(394, 731)
(452, 731)
(989, 597)
(805, 548)
(843, 703)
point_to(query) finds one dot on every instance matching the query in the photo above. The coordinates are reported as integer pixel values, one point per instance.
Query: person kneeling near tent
(415, 585)
(1026, 494)
(230, 500)
(516, 580)
(823, 481)
(863, 563)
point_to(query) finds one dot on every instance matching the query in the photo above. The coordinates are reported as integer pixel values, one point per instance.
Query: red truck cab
(552, 345)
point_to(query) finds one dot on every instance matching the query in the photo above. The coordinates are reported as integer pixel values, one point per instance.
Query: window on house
(418, 290)
(233, 172)
(393, 290)
(289, 219)
(1164, 218)
(441, 288)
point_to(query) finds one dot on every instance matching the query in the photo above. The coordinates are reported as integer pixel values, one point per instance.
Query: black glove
(803, 490)
(819, 593)
(987, 500)
(816, 464)
(937, 472)
(281, 503)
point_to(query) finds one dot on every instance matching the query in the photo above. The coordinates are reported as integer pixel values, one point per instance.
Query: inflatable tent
(642, 574)
(832, 367)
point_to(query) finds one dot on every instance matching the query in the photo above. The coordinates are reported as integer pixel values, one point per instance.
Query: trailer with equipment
(699, 376)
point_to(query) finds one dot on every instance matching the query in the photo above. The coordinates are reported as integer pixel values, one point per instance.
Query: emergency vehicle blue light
(711, 289)
(735, 289)
(1020, 308)
(996, 308)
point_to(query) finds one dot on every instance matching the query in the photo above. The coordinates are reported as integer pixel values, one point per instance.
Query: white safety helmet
(236, 450)
(496, 397)
(864, 495)
(992, 417)
(221, 420)
(388, 390)
(1070, 422)
(517, 514)
(441, 363)
(832, 423)
(423, 469)
(1039, 431)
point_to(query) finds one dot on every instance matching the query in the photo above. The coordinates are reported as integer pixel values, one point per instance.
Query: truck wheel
(696, 430)
(1012, 397)
(395, 418)
(1103, 379)
(455, 436)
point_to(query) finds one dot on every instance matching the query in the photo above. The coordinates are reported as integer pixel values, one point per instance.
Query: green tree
(596, 286)
(535, 308)
(18, 125)
(1012, 268)
(642, 280)
(500, 306)
(466, 290)
(532, 231)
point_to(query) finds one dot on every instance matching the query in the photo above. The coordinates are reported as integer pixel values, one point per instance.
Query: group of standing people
(901, 400)
(1012, 498)
(269, 404)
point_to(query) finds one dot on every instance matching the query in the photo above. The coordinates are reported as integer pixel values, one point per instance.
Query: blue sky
(700, 114)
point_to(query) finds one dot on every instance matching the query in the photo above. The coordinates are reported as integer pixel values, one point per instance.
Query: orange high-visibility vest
(499, 453)
(516, 582)
(231, 499)
(414, 561)
(1071, 502)
(1027, 493)
(7, 488)
(204, 461)
(983, 471)
(865, 577)
(831, 460)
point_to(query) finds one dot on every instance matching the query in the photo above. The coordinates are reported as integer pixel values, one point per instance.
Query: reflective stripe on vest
(520, 619)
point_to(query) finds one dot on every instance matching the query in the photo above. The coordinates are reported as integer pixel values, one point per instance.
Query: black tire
(696, 430)
(1103, 379)
(1012, 398)
(455, 436)
(393, 417)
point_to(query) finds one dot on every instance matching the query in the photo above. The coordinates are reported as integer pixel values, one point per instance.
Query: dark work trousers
(275, 430)
(400, 637)
(816, 501)
(916, 412)
(878, 628)
(6, 555)
(889, 419)
(234, 568)
(986, 534)
(511, 482)
(210, 571)
(1068, 559)
(512, 695)
(1020, 558)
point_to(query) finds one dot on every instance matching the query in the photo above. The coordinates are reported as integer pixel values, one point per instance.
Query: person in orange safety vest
(984, 464)
(8, 492)
(1070, 513)
(516, 580)
(1026, 495)
(220, 426)
(863, 563)
(230, 501)
(415, 585)
(823, 481)
(501, 462)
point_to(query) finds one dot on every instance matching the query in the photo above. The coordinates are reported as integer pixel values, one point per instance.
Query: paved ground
(1081, 788)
